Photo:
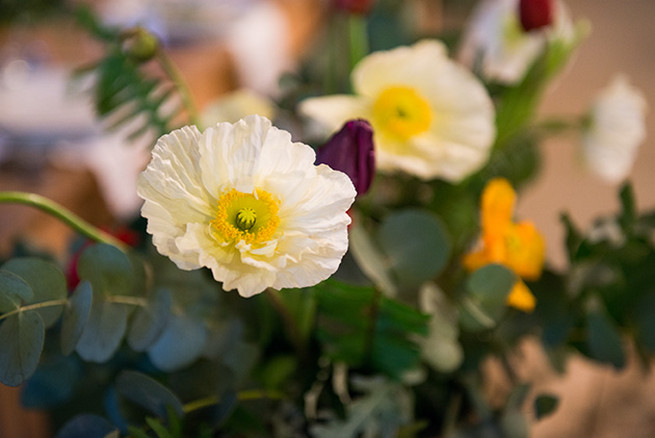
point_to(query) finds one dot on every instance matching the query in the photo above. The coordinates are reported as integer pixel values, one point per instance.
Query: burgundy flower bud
(351, 151)
(361, 7)
(535, 14)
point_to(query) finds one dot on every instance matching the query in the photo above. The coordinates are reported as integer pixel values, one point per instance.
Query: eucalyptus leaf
(13, 291)
(486, 295)
(544, 405)
(107, 268)
(417, 245)
(76, 316)
(441, 348)
(382, 409)
(148, 322)
(47, 283)
(86, 425)
(147, 393)
(104, 330)
(21, 338)
(369, 260)
(603, 337)
(182, 342)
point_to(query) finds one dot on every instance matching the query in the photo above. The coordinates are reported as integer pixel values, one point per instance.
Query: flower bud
(140, 44)
(535, 14)
(361, 7)
(351, 151)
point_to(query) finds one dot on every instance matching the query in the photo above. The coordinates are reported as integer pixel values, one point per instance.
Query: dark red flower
(355, 6)
(351, 151)
(535, 14)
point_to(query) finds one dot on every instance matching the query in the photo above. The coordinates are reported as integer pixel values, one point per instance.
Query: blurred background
(51, 143)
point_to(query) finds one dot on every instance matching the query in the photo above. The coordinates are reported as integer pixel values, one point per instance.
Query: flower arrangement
(349, 284)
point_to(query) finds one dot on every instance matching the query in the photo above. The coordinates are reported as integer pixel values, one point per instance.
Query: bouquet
(341, 260)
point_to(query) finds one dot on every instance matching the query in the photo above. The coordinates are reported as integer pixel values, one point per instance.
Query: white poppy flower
(246, 202)
(431, 117)
(615, 130)
(495, 41)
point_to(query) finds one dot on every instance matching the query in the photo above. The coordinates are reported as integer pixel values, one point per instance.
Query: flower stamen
(251, 217)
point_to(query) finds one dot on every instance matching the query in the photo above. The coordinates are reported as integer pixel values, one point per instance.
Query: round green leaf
(182, 342)
(103, 332)
(486, 296)
(21, 338)
(109, 270)
(149, 322)
(13, 291)
(148, 393)
(604, 340)
(76, 317)
(417, 245)
(46, 280)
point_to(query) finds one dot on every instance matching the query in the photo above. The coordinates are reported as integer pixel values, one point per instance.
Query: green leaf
(147, 393)
(416, 243)
(441, 348)
(182, 342)
(107, 268)
(369, 260)
(603, 337)
(21, 338)
(149, 322)
(381, 410)
(358, 326)
(103, 332)
(485, 299)
(86, 425)
(14, 291)
(76, 317)
(47, 283)
(628, 214)
(545, 405)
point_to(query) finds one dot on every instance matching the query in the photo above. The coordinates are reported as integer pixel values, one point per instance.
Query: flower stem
(358, 39)
(287, 319)
(35, 306)
(64, 215)
(175, 76)
(252, 394)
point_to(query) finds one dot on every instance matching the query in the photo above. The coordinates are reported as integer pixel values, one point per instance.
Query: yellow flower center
(251, 217)
(401, 112)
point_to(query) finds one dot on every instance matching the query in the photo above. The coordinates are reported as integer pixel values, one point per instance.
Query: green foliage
(21, 337)
(148, 393)
(362, 328)
(544, 405)
(46, 281)
(483, 303)
(149, 321)
(123, 91)
(416, 245)
(381, 409)
(75, 317)
(108, 269)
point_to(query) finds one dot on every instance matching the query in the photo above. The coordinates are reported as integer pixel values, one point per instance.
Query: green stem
(64, 215)
(118, 299)
(358, 38)
(289, 322)
(252, 394)
(35, 306)
(175, 76)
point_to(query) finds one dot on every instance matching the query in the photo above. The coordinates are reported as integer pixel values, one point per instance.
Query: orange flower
(517, 245)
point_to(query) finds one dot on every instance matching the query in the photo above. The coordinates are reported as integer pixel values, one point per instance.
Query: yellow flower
(518, 246)
(246, 202)
(431, 117)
